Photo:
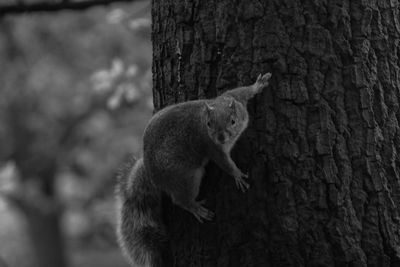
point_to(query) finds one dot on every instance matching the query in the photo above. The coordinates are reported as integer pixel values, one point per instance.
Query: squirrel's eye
(208, 124)
(233, 122)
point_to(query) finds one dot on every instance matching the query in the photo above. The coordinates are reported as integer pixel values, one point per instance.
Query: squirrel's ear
(232, 104)
(209, 107)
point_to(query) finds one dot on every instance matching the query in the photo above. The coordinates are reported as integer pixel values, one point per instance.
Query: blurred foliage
(75, 97)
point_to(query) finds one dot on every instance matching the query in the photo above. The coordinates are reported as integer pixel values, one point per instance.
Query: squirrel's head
(224, 120)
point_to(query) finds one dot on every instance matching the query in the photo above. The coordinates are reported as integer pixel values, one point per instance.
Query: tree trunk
(47, 241)
(2, 263)
(43, 214)
(321, 147)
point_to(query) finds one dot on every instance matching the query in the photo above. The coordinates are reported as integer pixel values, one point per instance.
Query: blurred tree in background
(75, 96)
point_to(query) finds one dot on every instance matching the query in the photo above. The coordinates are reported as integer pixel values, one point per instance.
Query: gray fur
(178, 143)
(140, 231)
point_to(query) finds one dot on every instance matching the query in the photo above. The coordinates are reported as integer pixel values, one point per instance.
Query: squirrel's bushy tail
(141, 233)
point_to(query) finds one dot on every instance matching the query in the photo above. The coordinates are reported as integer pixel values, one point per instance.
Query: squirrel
(177, 144)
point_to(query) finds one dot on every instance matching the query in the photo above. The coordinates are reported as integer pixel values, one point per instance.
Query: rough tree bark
(322, 146)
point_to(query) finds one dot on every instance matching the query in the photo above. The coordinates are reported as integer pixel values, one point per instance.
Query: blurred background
(75, 96)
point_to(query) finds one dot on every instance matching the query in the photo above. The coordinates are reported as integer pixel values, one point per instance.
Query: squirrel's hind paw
(201, 213)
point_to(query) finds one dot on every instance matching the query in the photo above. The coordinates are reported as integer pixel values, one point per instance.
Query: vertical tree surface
(322, 144)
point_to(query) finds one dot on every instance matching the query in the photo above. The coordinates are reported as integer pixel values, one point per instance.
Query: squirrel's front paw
(262, 81)
(240, 182)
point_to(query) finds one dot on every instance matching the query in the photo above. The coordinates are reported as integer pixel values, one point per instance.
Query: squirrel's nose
(221, 137)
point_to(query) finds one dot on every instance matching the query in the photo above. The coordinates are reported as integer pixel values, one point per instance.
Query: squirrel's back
(176, 132)
(174, 122)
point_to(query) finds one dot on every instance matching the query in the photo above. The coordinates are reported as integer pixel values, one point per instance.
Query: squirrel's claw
(198, 218)
(262, 81)
(201, 213)
(241, 183)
